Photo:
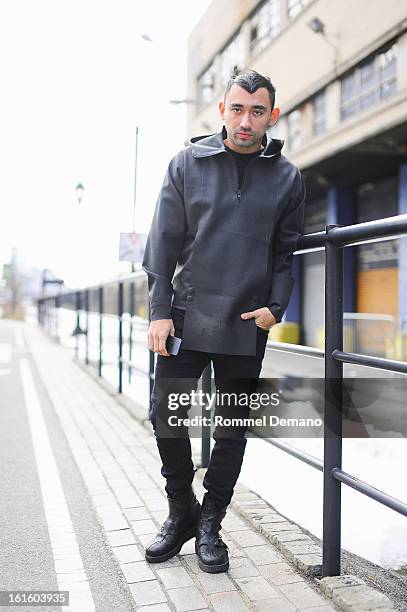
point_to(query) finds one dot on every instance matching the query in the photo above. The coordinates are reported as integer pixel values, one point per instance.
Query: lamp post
(80, 189)
(318, 27)
(184, 101)
(133, 268)
(147, 38)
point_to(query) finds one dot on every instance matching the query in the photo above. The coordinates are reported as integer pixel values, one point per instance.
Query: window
(369, 83)
(387, 64)
(293, 130)
(368, 91)
(232, 58)
(206, 85)
(264, 25)
(319, 113)
(294, 7)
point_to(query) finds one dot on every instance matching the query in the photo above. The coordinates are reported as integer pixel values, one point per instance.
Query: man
(227, 221)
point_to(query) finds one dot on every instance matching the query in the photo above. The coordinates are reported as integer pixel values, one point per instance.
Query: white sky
(76, 80)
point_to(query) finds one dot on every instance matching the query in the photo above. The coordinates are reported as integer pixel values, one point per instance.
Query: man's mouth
(244, 135)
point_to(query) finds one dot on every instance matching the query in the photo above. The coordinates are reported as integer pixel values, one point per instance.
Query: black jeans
(233, 373)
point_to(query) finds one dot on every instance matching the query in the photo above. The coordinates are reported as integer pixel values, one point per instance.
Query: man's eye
(258, 113)
(237, 110)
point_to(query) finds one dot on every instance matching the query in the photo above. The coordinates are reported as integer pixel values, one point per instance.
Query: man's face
(247, 116)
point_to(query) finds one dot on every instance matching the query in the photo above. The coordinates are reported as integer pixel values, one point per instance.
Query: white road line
(69, 569)
(5, 352)
(20, 342)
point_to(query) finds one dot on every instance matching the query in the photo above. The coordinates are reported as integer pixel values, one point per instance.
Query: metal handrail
(333, 241)
(372, 362)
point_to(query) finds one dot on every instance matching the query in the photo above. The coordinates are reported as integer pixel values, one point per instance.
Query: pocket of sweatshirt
(231, 263)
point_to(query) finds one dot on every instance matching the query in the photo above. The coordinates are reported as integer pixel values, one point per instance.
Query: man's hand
(158, 333)
(262, 316)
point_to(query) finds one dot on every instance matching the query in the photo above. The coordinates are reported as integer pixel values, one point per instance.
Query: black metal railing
(334, 240)
(111, 299)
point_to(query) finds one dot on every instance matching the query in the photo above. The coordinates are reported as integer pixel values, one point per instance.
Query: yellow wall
(377, 291)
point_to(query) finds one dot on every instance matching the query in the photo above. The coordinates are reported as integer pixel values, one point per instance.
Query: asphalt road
(26, 556)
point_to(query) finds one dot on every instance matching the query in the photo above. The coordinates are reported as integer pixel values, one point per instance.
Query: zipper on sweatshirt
(240, 189)
(235, 171)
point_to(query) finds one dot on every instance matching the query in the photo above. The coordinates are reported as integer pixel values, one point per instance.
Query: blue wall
(342, 210)
(293, 312)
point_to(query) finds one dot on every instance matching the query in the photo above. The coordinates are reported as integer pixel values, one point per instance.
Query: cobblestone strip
(351, 593)
(348, 593)
(119, 462)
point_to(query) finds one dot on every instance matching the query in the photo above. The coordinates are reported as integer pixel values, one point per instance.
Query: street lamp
(318, 27)
(147, 38)
(184, 101)
(79, 192)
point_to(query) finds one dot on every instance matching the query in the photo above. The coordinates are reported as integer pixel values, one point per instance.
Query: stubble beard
(246, 144)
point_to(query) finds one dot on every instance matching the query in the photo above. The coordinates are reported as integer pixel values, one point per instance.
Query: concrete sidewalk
(120, 465)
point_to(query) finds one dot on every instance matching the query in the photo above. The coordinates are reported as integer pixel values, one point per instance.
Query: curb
(349, 593)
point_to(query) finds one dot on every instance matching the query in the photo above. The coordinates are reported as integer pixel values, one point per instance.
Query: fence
(126, 299)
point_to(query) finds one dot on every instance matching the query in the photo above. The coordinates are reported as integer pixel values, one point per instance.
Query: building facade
(340, 71)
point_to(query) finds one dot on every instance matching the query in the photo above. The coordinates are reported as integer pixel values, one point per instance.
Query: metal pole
(131, 307)
(87, 326)
(120, 315)
(206, 429)
(56, 325)
(150, 368)
(100, 331)
(50, 317)
(135, 192)
(78, 305)
(331, 551)
(41, 313)
(135, 183)
(151, 363)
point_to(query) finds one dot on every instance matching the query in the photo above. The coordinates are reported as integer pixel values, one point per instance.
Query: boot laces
(220, 542)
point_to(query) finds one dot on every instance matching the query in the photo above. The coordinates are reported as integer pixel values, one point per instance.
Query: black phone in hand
(173, 345)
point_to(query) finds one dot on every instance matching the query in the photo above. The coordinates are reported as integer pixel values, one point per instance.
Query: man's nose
(245, 123)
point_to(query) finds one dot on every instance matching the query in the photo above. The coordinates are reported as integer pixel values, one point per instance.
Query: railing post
(100, 365)
(150, 368)
(120, 315)
(56, 326)
(39, 312)
(46, 316)
(131, 308)
(50, 316)
(78, 306)
(333, 407)
(87, 326)
(206, 429)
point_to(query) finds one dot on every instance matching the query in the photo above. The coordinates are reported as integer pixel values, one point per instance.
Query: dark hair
(251, 81)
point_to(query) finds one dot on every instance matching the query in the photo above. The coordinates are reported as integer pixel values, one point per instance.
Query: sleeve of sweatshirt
(288, 230)
(165, 240)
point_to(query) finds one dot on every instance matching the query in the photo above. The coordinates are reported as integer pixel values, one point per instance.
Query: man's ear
(221, 109)
(275, 113)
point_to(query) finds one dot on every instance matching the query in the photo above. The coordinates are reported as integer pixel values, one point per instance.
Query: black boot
(211, 550)
(178, 528)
